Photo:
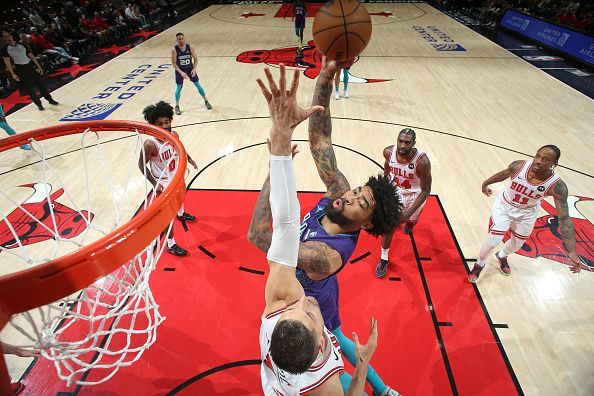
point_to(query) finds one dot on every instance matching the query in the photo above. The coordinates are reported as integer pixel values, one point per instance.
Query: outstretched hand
(486, 190)
(330, 67)
(364, 352)
(285, 113)
(576, 263)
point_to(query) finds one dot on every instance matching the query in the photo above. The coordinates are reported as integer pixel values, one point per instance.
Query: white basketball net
(91, 334)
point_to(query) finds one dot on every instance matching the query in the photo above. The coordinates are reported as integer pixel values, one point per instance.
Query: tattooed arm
(259, 232)
(320, 134)
(317, 259)
(501, 176)
(565, 224)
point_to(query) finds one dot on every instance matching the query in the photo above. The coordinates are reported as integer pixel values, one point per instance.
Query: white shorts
(165, 182)
(407, 201)
(520, 221)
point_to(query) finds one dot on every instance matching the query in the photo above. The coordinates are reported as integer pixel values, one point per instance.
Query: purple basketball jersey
(326, 290)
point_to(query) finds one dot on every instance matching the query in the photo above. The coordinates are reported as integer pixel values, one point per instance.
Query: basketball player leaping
(163, 163)
(410, 169)
(299, 355)
(516, 208)
(185, 61)
(329, 232)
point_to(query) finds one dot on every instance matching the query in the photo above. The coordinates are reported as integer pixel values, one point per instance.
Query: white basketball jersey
(522, 194)
(276, 382)
(164, 165)
(405, 174)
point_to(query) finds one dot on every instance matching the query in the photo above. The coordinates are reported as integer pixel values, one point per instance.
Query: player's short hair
(178, 34)
(387, 213)
(409, 131)
(293, 346)
(158, 110)
(555, 149)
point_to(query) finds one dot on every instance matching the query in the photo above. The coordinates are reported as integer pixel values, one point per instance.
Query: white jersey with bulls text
(521, 193)
(405, 174)
(516, 207)
(163, 166)
(276, 382)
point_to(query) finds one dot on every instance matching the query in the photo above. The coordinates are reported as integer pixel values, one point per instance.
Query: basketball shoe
(503, 265)
(474, 275)
(17, 387)
(345, 95)
(177, 251)
(186, 217)
(177, 110)
(208, 106)
(382, 269)
(387, 392)
(336, 96)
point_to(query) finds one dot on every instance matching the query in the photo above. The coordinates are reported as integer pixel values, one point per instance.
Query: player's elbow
(258, 240)
(252, 237)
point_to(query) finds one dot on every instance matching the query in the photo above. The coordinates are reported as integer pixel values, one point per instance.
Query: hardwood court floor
(474, 110)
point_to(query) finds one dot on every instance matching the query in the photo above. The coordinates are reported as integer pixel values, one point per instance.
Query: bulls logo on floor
(546, 240)
(307, 58)
(33, 220)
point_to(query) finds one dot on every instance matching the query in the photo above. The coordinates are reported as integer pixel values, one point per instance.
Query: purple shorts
(180, 80)
(326, 293)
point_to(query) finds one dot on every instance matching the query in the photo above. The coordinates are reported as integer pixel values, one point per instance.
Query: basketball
(342, 29)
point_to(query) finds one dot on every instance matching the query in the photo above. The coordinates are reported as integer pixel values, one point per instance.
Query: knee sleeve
(490, 244)
(513, 244)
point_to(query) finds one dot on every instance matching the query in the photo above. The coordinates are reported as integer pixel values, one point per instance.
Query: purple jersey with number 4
(325, 291)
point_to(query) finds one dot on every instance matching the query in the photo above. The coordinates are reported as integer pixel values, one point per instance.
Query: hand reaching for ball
(330, 67)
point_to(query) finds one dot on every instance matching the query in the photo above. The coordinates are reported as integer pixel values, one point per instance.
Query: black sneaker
(187, 217)
(53, 102)
(382, 269)
(40, 107)
(503, 265)
(177, 110)
(208, 106)
(475, 274)
(178, 251)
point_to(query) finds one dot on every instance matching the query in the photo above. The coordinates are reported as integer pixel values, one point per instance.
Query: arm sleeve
(285, 209)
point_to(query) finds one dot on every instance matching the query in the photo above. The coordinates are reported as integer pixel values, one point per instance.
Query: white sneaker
(345, 95)
(336, 96)
(389, 392)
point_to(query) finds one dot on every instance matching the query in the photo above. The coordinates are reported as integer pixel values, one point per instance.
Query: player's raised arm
(282, 286)
(320, 133)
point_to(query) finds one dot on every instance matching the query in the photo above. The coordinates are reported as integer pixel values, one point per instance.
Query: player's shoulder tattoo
(317, 257)
(560, 189)
(514, 166)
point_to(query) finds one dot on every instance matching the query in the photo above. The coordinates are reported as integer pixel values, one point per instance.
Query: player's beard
(336, 216)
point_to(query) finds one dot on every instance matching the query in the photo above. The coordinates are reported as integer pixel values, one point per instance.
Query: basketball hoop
(94, 288)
